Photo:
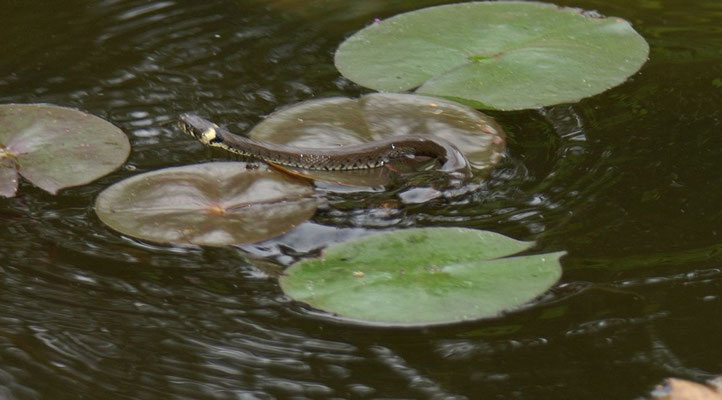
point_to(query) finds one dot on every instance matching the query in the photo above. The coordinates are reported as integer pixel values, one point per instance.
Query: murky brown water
(628, 182)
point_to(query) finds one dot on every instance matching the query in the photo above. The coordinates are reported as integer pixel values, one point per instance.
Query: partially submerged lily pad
(339, 121)
(56, 147)
(681, 389)
(505, 55)
(422, 276)
(213, 204)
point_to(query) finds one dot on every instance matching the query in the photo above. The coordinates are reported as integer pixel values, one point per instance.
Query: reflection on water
(628, 182)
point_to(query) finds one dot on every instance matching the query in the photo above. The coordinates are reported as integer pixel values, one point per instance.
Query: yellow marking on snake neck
(208, 135)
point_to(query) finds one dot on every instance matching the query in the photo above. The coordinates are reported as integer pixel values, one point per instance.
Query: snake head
(203, 130)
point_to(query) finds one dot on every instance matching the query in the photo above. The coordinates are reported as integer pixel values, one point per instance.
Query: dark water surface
(629, 182)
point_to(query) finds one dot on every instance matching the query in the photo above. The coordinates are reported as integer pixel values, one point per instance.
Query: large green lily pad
(505, 55)
(339, 121)
(422, 276)
(213, 204)
(56, 147)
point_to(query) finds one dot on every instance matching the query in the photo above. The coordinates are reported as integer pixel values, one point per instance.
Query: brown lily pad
(339, 121)
(212, 204)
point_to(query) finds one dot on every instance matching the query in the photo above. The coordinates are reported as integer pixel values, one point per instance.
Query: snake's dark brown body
(358, 156)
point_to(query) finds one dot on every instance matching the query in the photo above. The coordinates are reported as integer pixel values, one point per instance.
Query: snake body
(358, 156)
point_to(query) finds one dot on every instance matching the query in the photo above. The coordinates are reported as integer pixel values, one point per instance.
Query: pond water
(627, 182)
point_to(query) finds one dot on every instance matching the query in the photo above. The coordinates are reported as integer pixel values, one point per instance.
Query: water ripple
(624, 181)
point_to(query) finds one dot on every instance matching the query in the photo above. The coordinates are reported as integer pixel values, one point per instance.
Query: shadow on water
(627, 182)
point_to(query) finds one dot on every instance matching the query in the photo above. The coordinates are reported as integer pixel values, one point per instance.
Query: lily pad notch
(505, 55)
(56, 147)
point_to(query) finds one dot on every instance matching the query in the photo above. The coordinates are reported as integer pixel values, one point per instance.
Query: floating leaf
(213, 204)
(55, 147)
(341, 121)
(499, 55)
(681, 389)
(422, 276)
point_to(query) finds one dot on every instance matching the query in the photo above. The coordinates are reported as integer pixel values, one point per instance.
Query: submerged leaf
(505, 55)
(213, 204)
(55, 147)
(422, 276)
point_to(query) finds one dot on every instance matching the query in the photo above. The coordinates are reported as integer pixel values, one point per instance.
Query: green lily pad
(339, 121)
(505, 55)
(422, 276)
(55, 147)
(212, 204)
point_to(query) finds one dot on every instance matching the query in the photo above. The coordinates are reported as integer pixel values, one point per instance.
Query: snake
(368, 155)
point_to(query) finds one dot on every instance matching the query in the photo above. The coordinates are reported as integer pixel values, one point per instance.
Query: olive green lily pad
(212, 204)
(505, 55)
(56, 147)
(422, 276)
(339, 121)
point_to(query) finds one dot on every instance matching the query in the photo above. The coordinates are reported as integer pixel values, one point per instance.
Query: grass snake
(350, 157)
